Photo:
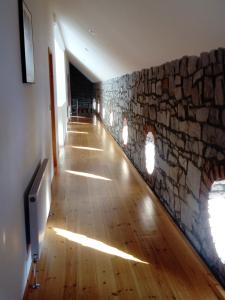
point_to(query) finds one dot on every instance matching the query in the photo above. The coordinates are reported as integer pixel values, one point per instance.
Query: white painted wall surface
(25, 136)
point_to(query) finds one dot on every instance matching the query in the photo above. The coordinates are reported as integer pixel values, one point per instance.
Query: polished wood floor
(100, 204)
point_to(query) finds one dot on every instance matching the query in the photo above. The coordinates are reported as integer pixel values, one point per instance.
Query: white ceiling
(108, 38)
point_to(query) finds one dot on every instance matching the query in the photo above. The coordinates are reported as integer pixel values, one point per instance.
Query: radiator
(39, 199)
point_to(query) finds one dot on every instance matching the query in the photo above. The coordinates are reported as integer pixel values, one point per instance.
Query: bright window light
(98, 107)
(125, 131)
(216, 206)
(111, 119)
(95, 244)
(94, 104)
(103, 113)
(150, 153)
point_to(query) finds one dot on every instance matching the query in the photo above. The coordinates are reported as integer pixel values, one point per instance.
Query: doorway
(52, 107)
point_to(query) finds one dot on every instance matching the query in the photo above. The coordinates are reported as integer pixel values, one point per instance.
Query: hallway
(107, 237)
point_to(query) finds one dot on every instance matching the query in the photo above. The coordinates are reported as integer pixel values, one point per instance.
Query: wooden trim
(52, 107)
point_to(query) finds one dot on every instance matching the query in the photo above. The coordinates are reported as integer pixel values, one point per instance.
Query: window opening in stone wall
(150, 153)
(125, 131)
(98, 108)
(94, 104)
(103, 113)
(216, 207)
(111, 118)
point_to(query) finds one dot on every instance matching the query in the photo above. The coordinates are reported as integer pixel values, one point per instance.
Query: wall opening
(216, 207)
(94, 104)
(98, 108)
(150, 153)
(125, 131)
(103, 113)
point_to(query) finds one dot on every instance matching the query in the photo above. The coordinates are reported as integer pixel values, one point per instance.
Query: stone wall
(183, 103)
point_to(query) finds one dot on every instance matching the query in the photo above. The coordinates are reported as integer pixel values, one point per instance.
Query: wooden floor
(100, 204)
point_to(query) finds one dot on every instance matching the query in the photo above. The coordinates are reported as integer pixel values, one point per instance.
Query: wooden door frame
(52, 108)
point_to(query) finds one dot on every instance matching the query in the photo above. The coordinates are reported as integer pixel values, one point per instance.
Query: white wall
(61, 85)
(25, 136)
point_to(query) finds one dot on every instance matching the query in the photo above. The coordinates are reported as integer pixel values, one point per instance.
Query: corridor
(107, 237)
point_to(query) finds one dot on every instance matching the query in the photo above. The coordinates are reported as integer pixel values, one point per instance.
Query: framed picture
(26, 40)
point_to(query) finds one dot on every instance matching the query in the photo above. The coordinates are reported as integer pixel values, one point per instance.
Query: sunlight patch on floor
(95, 244)
(86, 148)
(88, 175)
(77, 132)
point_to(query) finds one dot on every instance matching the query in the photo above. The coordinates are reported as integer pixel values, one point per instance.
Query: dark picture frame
(26, 42)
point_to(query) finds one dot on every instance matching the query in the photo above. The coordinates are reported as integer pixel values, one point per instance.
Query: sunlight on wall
(125, 131)
(103, 113)
(111, 119)
(216, 207)
(94, 244)
(150, 153)
(60, 72)
(88, 175)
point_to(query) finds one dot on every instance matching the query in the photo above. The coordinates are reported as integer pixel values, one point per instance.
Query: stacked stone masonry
(183, 103)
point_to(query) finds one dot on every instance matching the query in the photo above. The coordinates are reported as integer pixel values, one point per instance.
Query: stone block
(163, 165)
(219, 91)
(152, 113)
(223, 117)
(187, 87)
(196, 97)
(178, 93)
(186, 216)
(212, 57)
(197, 76)
(174, 123)
(171, 85)
(194, 130)
(214, 116)
(208, 88)
(183, 66)
(181, 111)
(192, 203)
(173, 173)
(193, 179)
(218, 69)
(202, 114)
(204, 58)
(183, 126)
(177, 80)
(192, 64)
(165, 85)
(159, 88)
(172, 159)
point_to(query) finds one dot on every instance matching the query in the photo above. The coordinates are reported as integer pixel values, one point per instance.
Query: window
(94, 104)
(98, 107)
(125, 131)
(150, 153)
(103, 113)
(216, 207)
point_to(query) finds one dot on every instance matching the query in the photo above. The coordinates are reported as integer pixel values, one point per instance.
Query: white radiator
(39, 206)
